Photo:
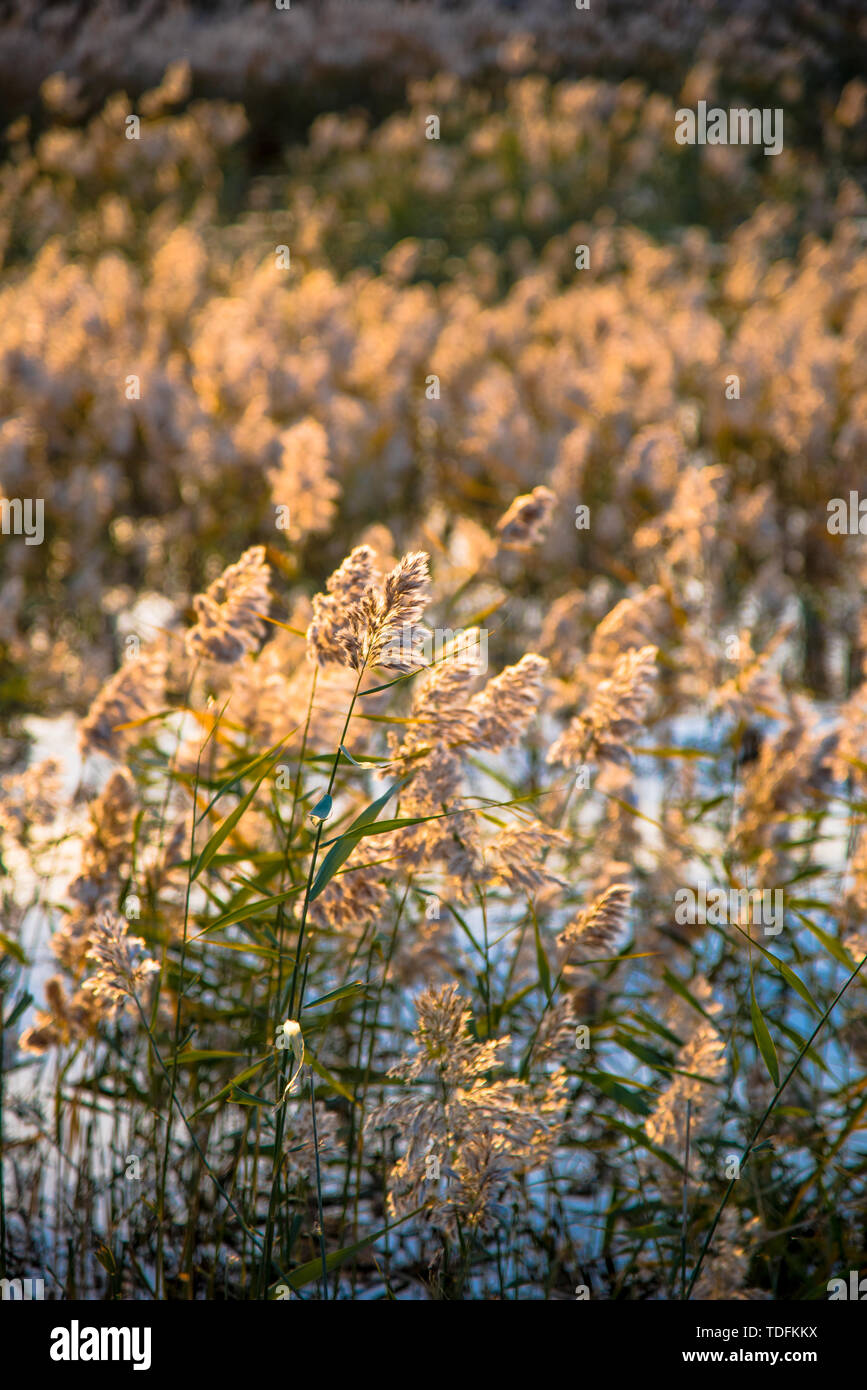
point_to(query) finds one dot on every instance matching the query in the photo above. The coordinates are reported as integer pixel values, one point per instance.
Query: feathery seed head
(527, 519)
(228, 612)
(121, 972)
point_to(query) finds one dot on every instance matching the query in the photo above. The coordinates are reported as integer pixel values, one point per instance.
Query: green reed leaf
(343, 846)
(227, 826)
(764, 1041)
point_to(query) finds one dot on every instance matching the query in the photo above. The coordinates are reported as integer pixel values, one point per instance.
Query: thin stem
(760, 1126)
(320, 1217)
(254, 1235)
(685, 1198)
(313, 857)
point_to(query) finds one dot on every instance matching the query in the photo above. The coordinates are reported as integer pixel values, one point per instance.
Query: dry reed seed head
(634, 622)
(442, 714)
(788, 773)
(55, 996)
(443, 1042)
(451, 839)
(228, 612)
(704, 1056)
(33, 797)
(441, 703)
(442, 1019)
(516, 857)
(525, 523)
(484, 1132)
(614, 718)
(345, 588)
(407, 590)
(71, 941)
(302, 482)
(42, 1035)
(353, 576)
(560, 626)
(754, 689)
(121, 974)
(65, 1020)
(381, 627)
(504, 708)
(688, 527)
(555, 1038)
(481, 1179)
(133, 692)
(358, 631)
(434, 787)
(113, 812)
(598, 928)
(851, 749)
(107, 847)
(355, 897)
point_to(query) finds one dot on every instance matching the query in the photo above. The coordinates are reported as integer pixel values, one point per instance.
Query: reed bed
(433, 844)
